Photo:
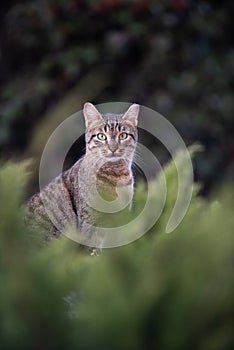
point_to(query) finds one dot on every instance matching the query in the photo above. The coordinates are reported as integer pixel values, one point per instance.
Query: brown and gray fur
(66, 198)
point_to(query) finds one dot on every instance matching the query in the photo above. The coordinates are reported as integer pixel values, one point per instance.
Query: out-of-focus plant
(163, 291)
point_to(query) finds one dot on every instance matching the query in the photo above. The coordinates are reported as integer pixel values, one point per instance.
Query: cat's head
(111, 136)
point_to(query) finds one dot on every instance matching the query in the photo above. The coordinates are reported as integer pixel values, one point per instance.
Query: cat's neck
(109, 163)
(112, 170)
(102, 175)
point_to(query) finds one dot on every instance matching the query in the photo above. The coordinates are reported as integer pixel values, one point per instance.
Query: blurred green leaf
(162, 291)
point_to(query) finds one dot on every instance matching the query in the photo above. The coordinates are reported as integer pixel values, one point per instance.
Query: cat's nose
(113, 147)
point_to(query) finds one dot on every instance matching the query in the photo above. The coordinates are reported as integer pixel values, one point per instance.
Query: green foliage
(162, 291)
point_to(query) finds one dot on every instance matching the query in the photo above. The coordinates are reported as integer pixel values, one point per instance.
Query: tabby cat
(68, 200)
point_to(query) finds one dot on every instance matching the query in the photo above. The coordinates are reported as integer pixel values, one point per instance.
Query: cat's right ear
(132, 114)
(91, 114)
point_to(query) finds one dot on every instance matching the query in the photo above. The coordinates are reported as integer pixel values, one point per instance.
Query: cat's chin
(113, 158)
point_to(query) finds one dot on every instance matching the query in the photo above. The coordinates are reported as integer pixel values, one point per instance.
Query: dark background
(174, 56)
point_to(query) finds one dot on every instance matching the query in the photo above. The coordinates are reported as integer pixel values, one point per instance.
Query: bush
(162, 291)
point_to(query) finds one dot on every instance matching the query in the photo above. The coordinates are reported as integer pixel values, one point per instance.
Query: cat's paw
(96, 252)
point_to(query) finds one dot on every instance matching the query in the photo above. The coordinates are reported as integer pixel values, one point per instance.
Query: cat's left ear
(132, 114)
(91, 114)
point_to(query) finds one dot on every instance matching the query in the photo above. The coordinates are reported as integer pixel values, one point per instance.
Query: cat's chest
(104, 181)
(115, 173)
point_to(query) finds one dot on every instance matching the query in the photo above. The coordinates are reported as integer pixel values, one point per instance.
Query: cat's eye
(123, 136)
(101, 136)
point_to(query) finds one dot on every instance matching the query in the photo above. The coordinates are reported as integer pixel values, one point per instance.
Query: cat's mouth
(112, 155)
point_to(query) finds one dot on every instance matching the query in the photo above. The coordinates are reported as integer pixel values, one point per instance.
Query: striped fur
(66, 200)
